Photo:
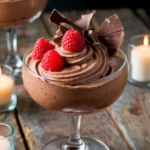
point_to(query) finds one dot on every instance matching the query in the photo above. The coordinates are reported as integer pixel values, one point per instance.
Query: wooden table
(125, 125)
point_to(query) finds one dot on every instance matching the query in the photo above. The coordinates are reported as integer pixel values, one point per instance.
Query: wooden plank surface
(131, 111)
(41, 126)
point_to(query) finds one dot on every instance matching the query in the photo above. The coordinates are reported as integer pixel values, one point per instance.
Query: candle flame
(146, 40)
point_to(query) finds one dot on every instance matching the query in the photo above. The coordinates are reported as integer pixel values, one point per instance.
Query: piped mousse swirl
(89, 65)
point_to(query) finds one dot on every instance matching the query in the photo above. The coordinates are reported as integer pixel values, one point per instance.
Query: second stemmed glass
(17, 13)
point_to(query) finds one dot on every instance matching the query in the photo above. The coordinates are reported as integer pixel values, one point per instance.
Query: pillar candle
(6, 87)
(140, 62)
(4, 143)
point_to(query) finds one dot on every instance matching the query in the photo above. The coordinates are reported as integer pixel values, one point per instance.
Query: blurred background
(92, 4)
(64, 5)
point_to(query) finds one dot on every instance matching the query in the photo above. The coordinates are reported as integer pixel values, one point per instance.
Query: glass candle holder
(8, 98)
(6, 137)
(139, 60)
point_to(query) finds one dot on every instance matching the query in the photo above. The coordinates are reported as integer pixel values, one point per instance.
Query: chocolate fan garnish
(110, 34)
(85, 20)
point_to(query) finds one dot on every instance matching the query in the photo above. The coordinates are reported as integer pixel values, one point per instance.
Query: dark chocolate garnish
(110, 25)
(112, 40)
(63, 27)
(57, 18)
(57, 40)
(85, 20)
(110, 34)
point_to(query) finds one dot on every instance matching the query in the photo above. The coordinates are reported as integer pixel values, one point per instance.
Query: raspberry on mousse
(40, 48)
(52, 61)
(73, 41)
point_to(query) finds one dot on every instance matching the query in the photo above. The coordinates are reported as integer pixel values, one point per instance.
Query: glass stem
(13, 58)
(11, 38)
(75, 128)
(75, 141)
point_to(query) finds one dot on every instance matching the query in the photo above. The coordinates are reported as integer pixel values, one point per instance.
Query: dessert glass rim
(75, 83)
(11, 130)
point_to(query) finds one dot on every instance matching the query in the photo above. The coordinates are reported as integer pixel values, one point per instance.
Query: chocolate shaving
(112, 40)
(110, 34)
(58, 18)
(57, 40)
(97, 42)
(63, 27)
(85, 20)
(110, 25)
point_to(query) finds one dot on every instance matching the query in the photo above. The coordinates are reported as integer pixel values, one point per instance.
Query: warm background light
(146, 40)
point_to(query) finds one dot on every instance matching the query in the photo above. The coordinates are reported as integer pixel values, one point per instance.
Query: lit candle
(140, 61)
(6, 87)
(4, 144)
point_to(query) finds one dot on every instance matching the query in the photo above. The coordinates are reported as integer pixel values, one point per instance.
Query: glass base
(91, 144)
(139, 84)
(11, 106)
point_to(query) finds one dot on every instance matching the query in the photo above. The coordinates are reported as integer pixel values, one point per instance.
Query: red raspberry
(40, 48)
(53, 61)
(73, 41)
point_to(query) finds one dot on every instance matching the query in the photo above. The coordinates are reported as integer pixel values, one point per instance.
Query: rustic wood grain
(131, 111)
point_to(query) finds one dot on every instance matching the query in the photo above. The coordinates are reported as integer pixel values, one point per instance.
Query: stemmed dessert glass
(104, 91)
(14, 14)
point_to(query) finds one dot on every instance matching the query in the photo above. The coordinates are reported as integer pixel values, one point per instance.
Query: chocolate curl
(110, 25)
(96, 42)
(111, 33)
(57, 18)
(112, 41)
(85, 20)
(63, 27)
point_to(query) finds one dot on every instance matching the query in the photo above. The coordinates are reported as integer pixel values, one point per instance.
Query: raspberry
(53, 61)
(40, 48)
(73, 41)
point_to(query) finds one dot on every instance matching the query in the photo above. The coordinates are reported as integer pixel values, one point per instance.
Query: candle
(4, 143)
(140, 61)
(6, 87)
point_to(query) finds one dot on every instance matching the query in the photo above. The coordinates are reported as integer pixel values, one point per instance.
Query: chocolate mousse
(90, 78)
(18, 12)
